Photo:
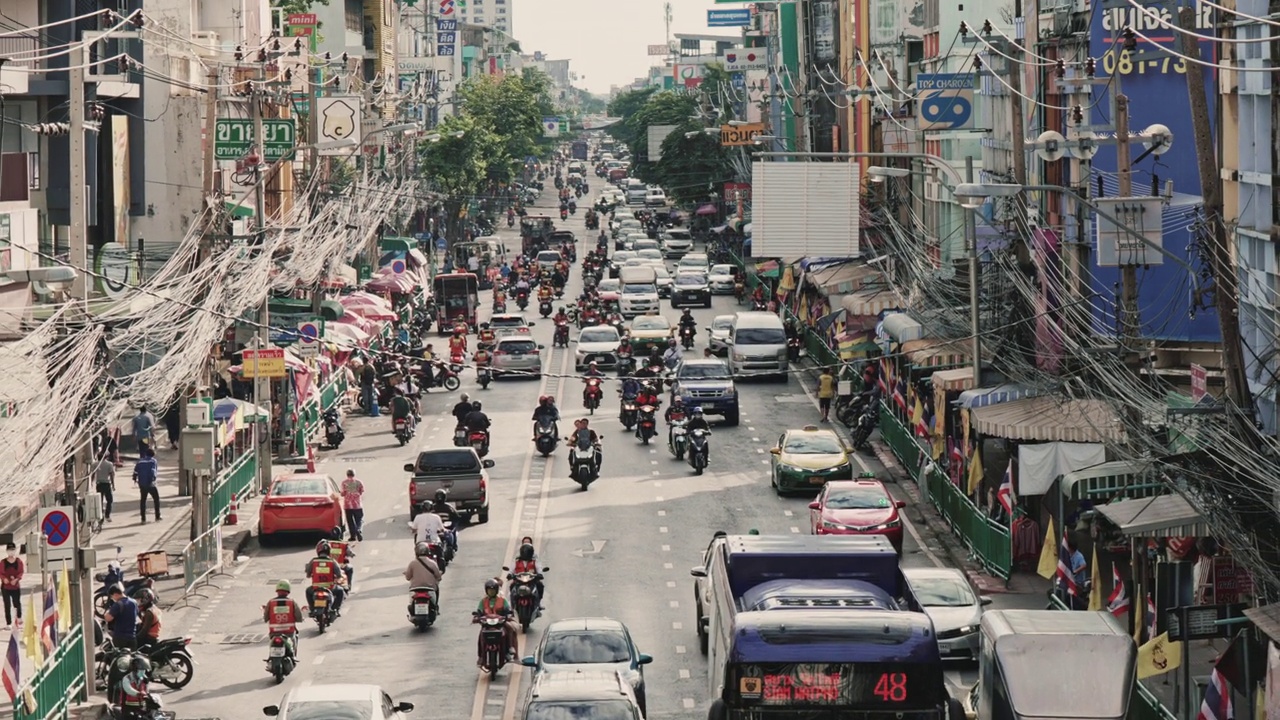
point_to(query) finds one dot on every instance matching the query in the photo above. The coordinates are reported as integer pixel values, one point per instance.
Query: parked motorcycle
(493, 643)
(678, 439)
(647, 423)
(582, 462)
(281, 658)
(699, 450)
(322, 610)
(423, 607)
(115, 575)
(402, 430)
(524, 596)
(591, 395)
(866, 422)
(547, 439)
(333, 432)
(171, 662)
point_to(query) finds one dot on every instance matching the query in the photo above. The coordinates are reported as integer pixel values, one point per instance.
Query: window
(353, 15)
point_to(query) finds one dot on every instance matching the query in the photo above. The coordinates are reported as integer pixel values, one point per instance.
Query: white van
(639, 291)
(757, 344)
(636, 192)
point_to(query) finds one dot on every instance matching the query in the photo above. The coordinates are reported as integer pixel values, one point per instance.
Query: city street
(622, 549)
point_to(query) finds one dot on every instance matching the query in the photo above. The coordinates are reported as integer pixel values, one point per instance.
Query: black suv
(690, 288)
(707, 383)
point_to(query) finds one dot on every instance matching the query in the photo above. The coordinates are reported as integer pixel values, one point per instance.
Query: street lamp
(703, 131)
(877, 174)
(738, 123)
(972, 196)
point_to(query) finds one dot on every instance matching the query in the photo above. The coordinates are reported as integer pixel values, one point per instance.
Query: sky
(607, 40)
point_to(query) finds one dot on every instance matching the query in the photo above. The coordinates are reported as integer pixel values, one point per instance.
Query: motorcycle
(438, 554)
(524, 596)
(460, 436)
(867, 422)
(686, 336)
(117, 670)
(456, 361)
(628, 414)
(678, 439)
(564, 213)
(626, 364)
(591, 395)
(115, 575)
(493, 641)
(281, 659)
(171, 662)
(446, 378)
(402, 431)
(522, 299)
(561, 338)
(544, 308)
(333, 432)
(322, 608)
(647, 424)
(483, 377)
(547, 439)
(739, 291)
(479, 440)
(699, 450)
(582, 461)
(793, 348)
(422, 607)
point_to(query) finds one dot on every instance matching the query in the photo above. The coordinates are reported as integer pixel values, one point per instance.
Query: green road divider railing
(235, 479)
(59, 682)
(311, 412)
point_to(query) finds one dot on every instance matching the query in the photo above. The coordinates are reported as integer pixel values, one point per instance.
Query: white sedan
(721, 279)
(331, 702)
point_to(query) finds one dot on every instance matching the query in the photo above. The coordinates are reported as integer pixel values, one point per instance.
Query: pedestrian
(707, 354)
(826, 391)
(352, 492)
(1079, 574)
(11, 571)
(368, 376)
(105, 478)
(144, 428)
(122, 619)
(145, 474)
(173, 423)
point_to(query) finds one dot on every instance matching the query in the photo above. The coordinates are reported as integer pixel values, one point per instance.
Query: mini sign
(733, 136)
(302, 19)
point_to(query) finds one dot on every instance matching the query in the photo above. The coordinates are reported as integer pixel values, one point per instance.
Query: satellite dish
(1086, 146)
(1051, 146)
(1157, 138)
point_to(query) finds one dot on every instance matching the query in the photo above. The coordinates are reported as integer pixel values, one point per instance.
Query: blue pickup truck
(708, 384)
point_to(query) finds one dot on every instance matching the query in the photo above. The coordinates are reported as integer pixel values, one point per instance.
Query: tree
(691, 168)
(511, 110)
(455, 167)
(664, 108)
(291, 7)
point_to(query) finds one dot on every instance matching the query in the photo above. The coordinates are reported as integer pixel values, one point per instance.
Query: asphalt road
(622, 549)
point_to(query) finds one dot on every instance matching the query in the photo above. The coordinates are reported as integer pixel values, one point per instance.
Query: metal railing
(899, 439)
(990, 542)
(236, 479)
(201, 558)
(58, 682)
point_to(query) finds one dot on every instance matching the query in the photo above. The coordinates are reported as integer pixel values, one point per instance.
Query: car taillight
(484, 485)
(413, 490)
(500, 352)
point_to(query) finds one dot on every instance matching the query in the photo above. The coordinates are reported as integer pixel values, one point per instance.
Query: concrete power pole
(261, 385)
(78, 232)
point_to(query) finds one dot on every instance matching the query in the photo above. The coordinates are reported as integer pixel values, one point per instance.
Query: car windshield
(661, 272)
(549, 256)
(580, 710)
(721, 269)
(638, 289)
(330, 710)
(722, 323)
(942, 592)
(448, 461)
(707, 370)
(812, 444)
(650, 322)
(857, 498)
(517, 346)
(690, 260)
(589, 646)
(690, 279)
(761, 336)
(622, 256)
(598, 335)
(609, 285)
(651, 253)
(301, 487)
(506, 322)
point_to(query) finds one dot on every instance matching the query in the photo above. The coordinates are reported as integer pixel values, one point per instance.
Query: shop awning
(240, 211)
(932, 352)
(1160, 516)
(1267, 619)
(982, 397)
(901, 327)
(870, 302)
(953, 380)
(396, 244)
(1050, 419)
(839, 279)
(1130, 478)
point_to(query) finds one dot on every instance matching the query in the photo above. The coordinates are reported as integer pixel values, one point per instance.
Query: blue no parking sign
(58, 526)
(308, 338)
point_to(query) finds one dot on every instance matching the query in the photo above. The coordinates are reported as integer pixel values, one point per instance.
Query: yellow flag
(30, 638)
(917, 417)
(1159, 656)
(1137, 608)
(976, 473)
(1095, 595)
(1048, 567)
(64, 601)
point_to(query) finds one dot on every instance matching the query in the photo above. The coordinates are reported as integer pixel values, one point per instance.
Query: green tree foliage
(691, 168)
(292, 7)
(456, 166)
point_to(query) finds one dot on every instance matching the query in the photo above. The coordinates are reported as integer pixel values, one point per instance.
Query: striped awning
(1050, 419)
(1118, 478)
(982, 397)
(932, 352)
(870, 302)
(1154, 517)
(901, 327)
(954, 380)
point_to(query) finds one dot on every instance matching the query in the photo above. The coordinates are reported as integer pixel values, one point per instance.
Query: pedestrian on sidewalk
(352, 492)
(105, 477)
(11, 571)
(368, 376)
(173, 422)
(145, 473)
(122, 619)
(826, 391)
(144, 428)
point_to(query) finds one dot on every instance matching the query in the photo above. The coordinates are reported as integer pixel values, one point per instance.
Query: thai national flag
(12, 668)
(1065, 576)
(1151, 617)
(49, 621)
(1005, 494)
(957, 461)
(1217, 699)
(900, 395)
(1118, 603)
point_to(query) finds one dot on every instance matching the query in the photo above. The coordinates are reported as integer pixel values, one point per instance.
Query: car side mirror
(542, 347)
(404, 707)
(815, 505)
(531, 323)
(271, 710)
(698, 571)
(486, 464)
(644, 659)
(408, 467)
(900, 504)
(529, 661)
(775, 451)
(984, 600)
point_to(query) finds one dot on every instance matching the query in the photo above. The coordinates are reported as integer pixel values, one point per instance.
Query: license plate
(319, 603)
(422, 609)
(816, 480)
(276, 652)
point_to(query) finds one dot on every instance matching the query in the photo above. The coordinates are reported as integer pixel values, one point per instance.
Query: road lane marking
(662, 513)
(788, 513)
(662, 529)
(667, 566)
(755, 439)
(684, 674)
(795, 529)
(671, 583)
(375, 551)
(680, 650)
(751, 429)
(317, 660)
(677, 626)
(666, 548)
(760, 450)
(657, 472)
(688, 703)
(653, 462)
(674, 604)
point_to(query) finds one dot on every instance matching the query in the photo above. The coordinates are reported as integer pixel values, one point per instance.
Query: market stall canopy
(369, 311)
(934, 352)
(1109, 479)
(1039, 464)
(1267, 619)
(1050, 419)
(345, 334)
(1155, 517)
(840, 279)
(982, 397)
(901, 327)
(870, 302)
(330, 310)
(229, 406)
(396, 245)
(953, 380)
(387, 281)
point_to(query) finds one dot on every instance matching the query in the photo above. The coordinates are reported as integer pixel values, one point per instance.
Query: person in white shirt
(427, 527)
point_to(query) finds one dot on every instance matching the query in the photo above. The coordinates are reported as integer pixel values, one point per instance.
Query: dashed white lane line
(766, 462)
(760, 450)
(788, 513)
(677, 626)
(755, 439)
(671, 583)
(674, 604)
(653, 451)
(653, 462)
(666, 548)
(657, 472)
(658, 498)
(662, 513)
(688, 703)
(680, 650)
(751, 429)
(795, 529)
(663, 529)
(317, 660)
(397, 506)
(668, 566)
(684, 674)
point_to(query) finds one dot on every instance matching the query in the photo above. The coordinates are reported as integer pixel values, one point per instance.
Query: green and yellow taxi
(805, 459)
(648, 332)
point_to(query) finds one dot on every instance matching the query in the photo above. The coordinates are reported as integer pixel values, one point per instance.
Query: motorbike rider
(442, 508)
(677, 412)
(546, 413)
(630, 389)
(584, 426)
(476, 420)
(458, 343)
(486, 336)
(672, 356)
(148, 620)
(480, 358)
(698, 422)
(462, 409)
(493, 604)
(282, 615)
(687, 321)
(527, 562)
(424, 572)
(545, 292)
(135, 699)
(402, 409)
(324, 572)
(522, 286)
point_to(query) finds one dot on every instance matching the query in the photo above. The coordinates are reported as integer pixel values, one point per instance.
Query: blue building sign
(729, 18)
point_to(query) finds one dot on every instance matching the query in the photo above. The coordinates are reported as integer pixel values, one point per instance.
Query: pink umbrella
(370, 312)
(364, 297)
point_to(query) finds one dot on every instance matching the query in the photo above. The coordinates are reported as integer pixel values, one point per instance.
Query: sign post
(58, 526)
(1199, 382)
(308, 339)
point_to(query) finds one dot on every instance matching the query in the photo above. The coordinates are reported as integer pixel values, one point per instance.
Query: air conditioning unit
(207, 43)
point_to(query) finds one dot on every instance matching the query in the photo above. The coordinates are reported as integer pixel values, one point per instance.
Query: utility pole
(801, 111)
(316, 77)
(1016, 123)
(1130, 326)
(975, 309)
(261, 385)
(78, 232)
(1031, 37)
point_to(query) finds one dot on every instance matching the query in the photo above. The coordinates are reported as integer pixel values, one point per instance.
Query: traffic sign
(946, 101)
(233, 138)
(309, 338)
(398, 266)
(58, 525)
(728, 18)
(447, 7)
(340, 120)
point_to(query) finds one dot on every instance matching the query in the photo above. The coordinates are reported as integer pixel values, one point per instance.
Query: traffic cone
(233, 512)
(311, 458)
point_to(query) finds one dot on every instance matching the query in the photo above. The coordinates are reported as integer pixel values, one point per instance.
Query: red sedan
(857, 507)
(301, 503)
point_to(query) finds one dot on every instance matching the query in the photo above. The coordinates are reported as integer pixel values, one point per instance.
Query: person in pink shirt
(11, 571)
(352, 491)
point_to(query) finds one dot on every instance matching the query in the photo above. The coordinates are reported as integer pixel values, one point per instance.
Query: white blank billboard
(658, 133)
(804, 209)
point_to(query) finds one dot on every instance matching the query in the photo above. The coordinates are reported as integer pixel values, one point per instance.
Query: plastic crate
(152, 564)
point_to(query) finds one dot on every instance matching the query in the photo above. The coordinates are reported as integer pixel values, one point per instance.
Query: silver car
(516, 354)
(721, 279)
(338, 701)
(955, 609)
(719, 331)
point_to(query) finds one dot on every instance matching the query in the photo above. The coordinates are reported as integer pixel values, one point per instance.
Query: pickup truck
(708, 384)
(460, 472)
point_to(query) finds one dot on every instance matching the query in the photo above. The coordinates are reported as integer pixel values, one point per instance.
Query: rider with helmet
(672, 356)
(648, 395)
(677, 411)
(493, 604)
(687, 321)
(282, 614)
(593, 370)
(486, 337)
(462, 409)
(458, 343)
(148, 619)
(697, 421)
(325, 572)
(135, 698)
(442, 508)
(527, 562)
(546, 412)
(424, 572)
(581, 427)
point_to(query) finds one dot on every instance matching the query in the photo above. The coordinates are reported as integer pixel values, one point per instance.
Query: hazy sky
(607, 40)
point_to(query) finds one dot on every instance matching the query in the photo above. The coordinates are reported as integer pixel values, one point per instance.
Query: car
(310, 702)
(547, 260)
(708, 384)
(599, 344)
(633, 237)
(504, 324)
(955, 609)
(807, 458)
(655, 197)
(718, 331)
(609, 289)
(694, 261)
(676, 242)
(702, 590)
(618, 260)
(690, 289)
(721, 279)
(647, 243)
(300, 503)
(577, 696)
(649, 253)
(516, 353)
(648, 331)
(856, 507)
(590, 644)
(664, 280)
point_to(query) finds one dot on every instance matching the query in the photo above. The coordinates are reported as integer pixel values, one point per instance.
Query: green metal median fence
(309, 423)
(899, 439)
(990, 542)
(235, 479)
(58, 682)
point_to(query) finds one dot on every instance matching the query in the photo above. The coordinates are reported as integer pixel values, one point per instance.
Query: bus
(457, 297)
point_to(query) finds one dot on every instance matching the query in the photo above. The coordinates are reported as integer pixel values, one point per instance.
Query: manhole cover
(244, 639)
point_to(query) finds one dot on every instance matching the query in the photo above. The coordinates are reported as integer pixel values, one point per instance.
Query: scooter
(446, 378)
(483, 377)
(544, 308)
(479, 441)
(522, 300)
(281, 659)
(862, 430)
(686, 337)
(322, 609)
(422, 607)
(678, 440)
(460, 436)
(647, 424)
(333, 432)
(698, 450)
(628, 414)
(547, 439)
(524, 596)
(793, 348)
(626, 365)
(402, 431)
(456, 361)
(493, 643)
(561, 338)
(591, 395)
(582, 462)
